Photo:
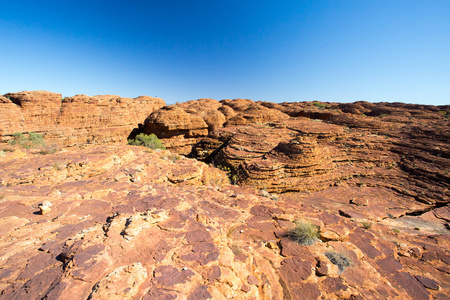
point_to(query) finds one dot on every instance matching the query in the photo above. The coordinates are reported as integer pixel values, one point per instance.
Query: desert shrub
(31, 140)
(148, 140)
(340, 260)
(366, 224)
(304, 232)
(265, 193)
(320, 105)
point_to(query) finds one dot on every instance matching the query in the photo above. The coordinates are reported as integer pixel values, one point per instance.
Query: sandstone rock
(123, 283)
(111, 237)
(428, 283)
(74, 120)
(45, 207)
(132, 223)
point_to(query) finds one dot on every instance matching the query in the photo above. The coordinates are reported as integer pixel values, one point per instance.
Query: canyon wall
(73, 120)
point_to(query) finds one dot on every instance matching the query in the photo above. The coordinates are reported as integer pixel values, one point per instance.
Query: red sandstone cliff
(74, 120)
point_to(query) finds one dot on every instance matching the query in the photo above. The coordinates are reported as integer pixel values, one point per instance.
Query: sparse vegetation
(266, 194)
(5, 150)
(58, 166)
(49, 150)
(338, 259)
(28, 141)
(366, 224)
(320, 105)
(236, 249)
(304, 232)
(395, 230)
(147, 140)
(232, 176)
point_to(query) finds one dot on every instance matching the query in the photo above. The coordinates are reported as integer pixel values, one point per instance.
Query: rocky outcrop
(127, 222)
(74, 120)
(309, 146)
(182, 126)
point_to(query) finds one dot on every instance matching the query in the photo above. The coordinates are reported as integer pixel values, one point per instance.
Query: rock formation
(127, 222)
(74, 120)
(182, 126)
(131, 223)
(312, 145)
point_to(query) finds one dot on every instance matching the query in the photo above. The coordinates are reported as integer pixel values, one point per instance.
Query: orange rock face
(182, 126)
(74, 120)
(125, 222)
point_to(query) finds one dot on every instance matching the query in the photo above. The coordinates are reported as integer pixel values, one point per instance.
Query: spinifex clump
(304, 232)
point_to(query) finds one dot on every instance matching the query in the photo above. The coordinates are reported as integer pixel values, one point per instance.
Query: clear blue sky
(336, 50)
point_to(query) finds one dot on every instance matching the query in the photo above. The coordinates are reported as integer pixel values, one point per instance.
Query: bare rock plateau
(99, 219)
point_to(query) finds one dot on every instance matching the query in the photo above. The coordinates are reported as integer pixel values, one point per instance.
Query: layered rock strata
(309, 146)
(182, 126)
(73, 120)
(131, 223)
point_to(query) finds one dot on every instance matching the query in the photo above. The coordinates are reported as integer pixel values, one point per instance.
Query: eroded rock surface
(127, 222)
(73, 120)
(183, 125)
(310, 146)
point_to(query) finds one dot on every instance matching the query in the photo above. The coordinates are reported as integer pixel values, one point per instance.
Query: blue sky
(336, 50)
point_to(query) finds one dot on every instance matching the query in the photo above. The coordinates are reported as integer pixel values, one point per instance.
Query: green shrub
(340, 260)
(304, 232)
(148, 140)
(320, 105)
(31, 140)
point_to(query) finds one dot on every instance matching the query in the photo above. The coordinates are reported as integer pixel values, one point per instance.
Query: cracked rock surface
(125, 223)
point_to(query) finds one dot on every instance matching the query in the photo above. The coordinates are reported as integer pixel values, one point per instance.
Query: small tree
(148, 140)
